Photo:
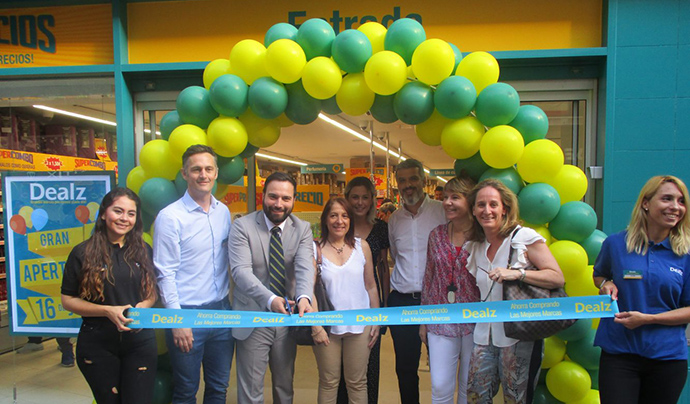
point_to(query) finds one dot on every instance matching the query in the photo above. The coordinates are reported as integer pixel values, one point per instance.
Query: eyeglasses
(493, 283)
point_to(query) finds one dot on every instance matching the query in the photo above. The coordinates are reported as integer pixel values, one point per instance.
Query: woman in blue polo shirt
(647, 268)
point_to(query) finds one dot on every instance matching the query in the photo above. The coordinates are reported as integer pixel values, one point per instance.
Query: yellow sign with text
(56, 36)
(42, 275)
(53, 243)
(41, 309)
(13, 160)
(380, 177)
(308, 198)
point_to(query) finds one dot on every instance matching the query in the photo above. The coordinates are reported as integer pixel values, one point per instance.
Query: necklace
(337, 250)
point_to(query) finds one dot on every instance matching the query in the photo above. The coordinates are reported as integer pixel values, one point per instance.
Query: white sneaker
(30, 347)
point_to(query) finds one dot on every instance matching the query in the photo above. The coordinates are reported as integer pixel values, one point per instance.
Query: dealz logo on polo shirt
(676, 270)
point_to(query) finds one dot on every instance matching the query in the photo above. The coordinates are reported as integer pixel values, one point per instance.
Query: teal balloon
(249, 151)
(497, 104)
(577, 331)
(575, 222)
(414, 103)
(532, 123)
(316, 37)
(542, 394)
(230, 169)
(164, 362)
(157, 193)
(302, 108)
(39, 218)
(194, 106)
(382, 110)
(403, 37)
(592, 245)
(508, 176)
(229, 95)
(594, 374)
(351, 49)
(169, 122)
(162, 387)
(584, 352)
(458, 56)
(147, 219)
(267, 98)
(455, 97)
(181, 185)
(539, 203)
(474, 167)
(281, 30)
(330, 106)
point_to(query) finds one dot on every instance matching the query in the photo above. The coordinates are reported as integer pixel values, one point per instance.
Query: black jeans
(120, 367)
(408, 349)
(633, 379)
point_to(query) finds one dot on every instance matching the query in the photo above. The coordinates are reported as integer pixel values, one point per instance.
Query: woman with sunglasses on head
(104, 276)
(496, 358)
(647, 269)
(446, 280)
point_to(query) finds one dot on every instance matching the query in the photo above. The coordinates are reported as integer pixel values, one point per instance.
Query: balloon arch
(395, 73)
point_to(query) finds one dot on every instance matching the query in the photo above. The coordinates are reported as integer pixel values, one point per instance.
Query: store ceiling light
(266, 156)
(358, 135)
(75, 115)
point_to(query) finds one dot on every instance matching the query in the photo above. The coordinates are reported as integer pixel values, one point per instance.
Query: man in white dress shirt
(408, 231)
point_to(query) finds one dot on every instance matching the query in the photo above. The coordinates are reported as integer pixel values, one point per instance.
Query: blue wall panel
(684, 69)
(629, 170)
(644, 124)
(646, 71)
(636, 17)
(682, 140)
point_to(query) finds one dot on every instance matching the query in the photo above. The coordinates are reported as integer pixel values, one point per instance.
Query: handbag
(302, 334)
(517, 290)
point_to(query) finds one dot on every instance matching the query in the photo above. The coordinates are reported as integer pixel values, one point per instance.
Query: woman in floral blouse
(447, 280)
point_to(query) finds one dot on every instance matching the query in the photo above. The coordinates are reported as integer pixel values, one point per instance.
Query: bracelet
(314, 334)
(523, 273)
(602, 284)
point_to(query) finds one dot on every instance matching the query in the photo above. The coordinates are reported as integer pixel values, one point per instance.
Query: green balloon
(414, 103)
(474, 167)
(164, 362)
(576, 331)
(592, 245)
(455, 97)
(584, 352)
(383, 110)
(532, 123)
(169, 122)
(539, 203)
(281, 30)
(458, 56)
(403, 37)
(147, 219)
(267, 98)
(162, 387)
(157, 193)
(508, 176)
(230, 169)
(351, 49)
(229, 95)
(194, 106)
(181, 185)
(330, 106)
(302, 108)
(575, 221)
(316, 37)
(249, 151)
(542, 394)
(497, 104)
(594, 374)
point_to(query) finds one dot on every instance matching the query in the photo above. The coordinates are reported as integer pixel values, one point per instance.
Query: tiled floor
(37, 378)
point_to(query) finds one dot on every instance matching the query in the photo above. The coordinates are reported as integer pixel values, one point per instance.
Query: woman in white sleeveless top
(348, 275)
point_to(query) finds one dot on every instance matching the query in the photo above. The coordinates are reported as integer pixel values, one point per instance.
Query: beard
(276, 215)
(414, 198)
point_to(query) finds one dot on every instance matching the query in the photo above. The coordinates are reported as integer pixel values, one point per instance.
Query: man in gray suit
(271, 260)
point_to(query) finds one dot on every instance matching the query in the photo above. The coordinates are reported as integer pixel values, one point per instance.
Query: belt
(414, 295)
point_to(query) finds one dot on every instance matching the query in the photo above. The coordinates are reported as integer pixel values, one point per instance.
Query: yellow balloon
(592, 397)
(570, 182)
(568, 381)
(433, 61)
(221, 191)
(227, 136)
(161, 346)
(247, 59)
(354, 96)
(93, 210)
(429, 131)
(480, 68)
(542, 230)
(284, 121)
(376, 34)
(581, 283)
(502, 146)
(147, 239)
(184, 136)
(25, 212)
(157, 160)
(136, 178)
(321, 78)
(215, 69)
(554, 352)
(461, 138)
(410, 73)
(385, 72)
(285, 60)
(260, 132)
(541, 161)
(571, 257)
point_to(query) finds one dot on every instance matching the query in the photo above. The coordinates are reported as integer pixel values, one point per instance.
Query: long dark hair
(97, 267)
(350, 235)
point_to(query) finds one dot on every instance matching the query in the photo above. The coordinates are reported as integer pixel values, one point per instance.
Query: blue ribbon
(458, 313)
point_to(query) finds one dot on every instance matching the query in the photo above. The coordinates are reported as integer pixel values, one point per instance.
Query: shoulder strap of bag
(512, 250)
(318, 257)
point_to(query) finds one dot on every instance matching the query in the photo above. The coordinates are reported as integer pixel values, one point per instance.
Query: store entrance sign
(322, 169)
(446, 172)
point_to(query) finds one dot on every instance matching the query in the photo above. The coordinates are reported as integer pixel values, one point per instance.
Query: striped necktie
(276, 264)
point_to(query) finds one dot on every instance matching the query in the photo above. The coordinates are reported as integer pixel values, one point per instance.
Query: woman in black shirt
(104, 276)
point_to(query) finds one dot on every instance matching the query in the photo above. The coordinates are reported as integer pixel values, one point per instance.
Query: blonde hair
(510, 206)
(637, 239)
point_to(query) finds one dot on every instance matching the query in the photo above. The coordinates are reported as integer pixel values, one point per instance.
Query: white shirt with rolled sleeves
(409, 237)
(190, 252)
